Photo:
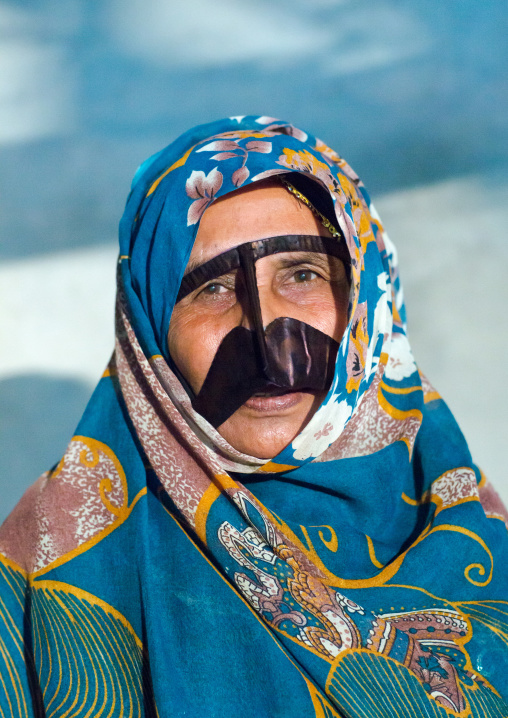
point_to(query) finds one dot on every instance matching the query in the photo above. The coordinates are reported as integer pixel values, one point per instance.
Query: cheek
(329, 314)
(193, 342)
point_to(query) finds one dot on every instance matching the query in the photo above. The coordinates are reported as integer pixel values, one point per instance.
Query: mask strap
(230, 260)
(249, 271)
(324, 221)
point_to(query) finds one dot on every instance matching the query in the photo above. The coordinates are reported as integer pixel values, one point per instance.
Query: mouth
(273, 390)
(274, 400)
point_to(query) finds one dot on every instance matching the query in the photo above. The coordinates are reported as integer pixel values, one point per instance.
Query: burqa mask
(286, 355)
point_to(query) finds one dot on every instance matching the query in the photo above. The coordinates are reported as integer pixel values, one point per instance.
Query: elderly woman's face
(310, 287)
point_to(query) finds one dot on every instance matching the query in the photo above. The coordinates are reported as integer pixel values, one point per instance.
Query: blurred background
(414, 95)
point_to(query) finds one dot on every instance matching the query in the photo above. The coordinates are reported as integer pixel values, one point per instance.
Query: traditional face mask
(287, 355)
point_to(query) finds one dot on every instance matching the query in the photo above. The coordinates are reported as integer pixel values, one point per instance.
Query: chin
(262, 438)
(265, 433)
(261, 448)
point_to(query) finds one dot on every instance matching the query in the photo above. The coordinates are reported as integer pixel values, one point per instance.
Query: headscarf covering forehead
(172, 189)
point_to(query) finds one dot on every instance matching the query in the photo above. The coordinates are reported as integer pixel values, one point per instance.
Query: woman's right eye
(214, 289)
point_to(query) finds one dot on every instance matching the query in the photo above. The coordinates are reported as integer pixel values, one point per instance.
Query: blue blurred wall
(411, 93)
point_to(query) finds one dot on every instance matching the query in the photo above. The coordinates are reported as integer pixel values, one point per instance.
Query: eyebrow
(300, 257)
(192, 265)
(304, 246)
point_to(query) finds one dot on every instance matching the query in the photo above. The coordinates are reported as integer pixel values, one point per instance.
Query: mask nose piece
(248, 266)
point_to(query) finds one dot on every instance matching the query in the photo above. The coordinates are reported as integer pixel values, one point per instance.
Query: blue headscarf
(158, 571)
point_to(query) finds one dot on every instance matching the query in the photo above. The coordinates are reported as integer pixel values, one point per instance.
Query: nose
(260, 305)
(270, 304)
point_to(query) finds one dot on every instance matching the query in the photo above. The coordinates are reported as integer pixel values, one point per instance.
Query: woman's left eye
(305, 275)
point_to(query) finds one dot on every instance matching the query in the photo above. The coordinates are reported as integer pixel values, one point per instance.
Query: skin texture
(310, 287)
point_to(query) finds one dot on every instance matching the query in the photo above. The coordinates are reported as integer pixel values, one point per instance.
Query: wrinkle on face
(307, 286)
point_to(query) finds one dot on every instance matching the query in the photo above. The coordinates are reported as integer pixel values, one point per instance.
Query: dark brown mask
(287, 355)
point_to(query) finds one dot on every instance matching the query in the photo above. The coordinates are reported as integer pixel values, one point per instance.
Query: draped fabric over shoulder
(157, 571)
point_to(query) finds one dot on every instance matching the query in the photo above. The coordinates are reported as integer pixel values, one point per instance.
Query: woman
(266, 509)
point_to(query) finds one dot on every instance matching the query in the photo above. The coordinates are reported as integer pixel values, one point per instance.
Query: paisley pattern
(430, 643)
(362, 571)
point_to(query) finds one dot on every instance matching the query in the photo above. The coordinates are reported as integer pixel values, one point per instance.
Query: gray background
(413, 94)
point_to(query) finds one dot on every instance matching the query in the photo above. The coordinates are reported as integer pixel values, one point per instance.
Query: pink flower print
(258, 146)
(268, 173)
(331, 157)
(396, 363)
(240, 175)
(231, 148)
(305, 161)
(275, 125)
(324, 431)
(228, 147)
(203, 189)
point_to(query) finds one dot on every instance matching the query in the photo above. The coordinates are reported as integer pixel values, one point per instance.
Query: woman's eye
(214, 288)
(304, 275)
(218, 290)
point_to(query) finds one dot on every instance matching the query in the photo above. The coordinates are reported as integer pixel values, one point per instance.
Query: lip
(274, 403)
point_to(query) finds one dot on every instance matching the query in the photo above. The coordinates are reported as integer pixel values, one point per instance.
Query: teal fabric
(155, 571)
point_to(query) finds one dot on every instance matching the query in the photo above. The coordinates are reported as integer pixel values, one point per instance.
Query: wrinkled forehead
(247, 253)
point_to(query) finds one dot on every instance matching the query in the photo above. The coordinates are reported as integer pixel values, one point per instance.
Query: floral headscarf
(158, 571)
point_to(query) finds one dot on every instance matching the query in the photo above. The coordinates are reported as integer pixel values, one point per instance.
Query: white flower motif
(382, 325)
(401, 363)
(324, 428)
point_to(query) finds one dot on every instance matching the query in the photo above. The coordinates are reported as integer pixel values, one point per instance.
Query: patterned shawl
(155, 570)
